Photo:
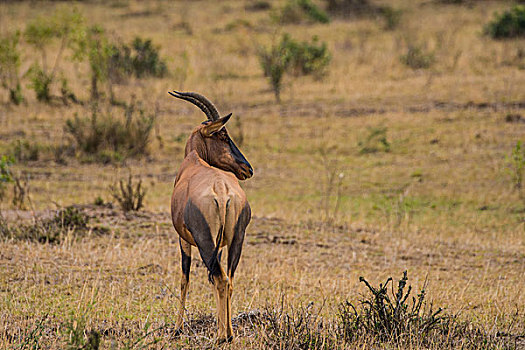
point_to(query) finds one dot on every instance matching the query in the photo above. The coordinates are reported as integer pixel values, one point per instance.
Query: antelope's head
(211, 139)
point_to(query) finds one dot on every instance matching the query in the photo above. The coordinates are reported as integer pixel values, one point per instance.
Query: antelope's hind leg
(185, 252)
(200, 231)
(234, 255)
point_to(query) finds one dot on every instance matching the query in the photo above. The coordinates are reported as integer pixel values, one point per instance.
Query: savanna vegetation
(387, 140)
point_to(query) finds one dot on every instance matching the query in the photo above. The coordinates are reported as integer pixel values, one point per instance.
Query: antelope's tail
(222, 212)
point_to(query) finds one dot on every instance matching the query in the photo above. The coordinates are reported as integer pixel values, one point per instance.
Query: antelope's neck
(196, 143)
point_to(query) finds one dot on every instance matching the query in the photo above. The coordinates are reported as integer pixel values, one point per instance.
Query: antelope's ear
(212, 127)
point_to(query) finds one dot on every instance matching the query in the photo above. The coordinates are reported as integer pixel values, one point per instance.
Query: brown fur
(210, 211)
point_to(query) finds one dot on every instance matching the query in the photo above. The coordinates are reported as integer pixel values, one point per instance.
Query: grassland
(440, 203)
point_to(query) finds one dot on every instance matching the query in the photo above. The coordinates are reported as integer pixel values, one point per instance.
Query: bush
(129, 197)
(9, 67)
(141, 59)
(297, 11)
(394, 318)
(64, 25)
(6, 176)
(258, 5)
(99, 53)
(295, 329)
(376, 141)
(113, 62)
(41, 83)
(52, 230)
(391, 16)
(147, 61)
(509, 24)
(20, 183)
(274, 64)
(347, 8)
(417, 57)
(23, 150)
(296, 58)
(109, 138)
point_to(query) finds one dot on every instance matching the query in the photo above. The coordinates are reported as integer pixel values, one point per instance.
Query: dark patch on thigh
(234, 254)
(186, 261)
(200, 231)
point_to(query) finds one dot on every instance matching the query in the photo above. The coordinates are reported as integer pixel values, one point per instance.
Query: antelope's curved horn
(200, 101)
(192, 100)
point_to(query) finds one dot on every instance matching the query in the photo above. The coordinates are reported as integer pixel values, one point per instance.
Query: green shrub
(308, 58)
(391, 16)
(64, 25)
(274, 64)
(113, 62)
(147, 61)
(509, 24)
(40, 83)
(10, 66)
(67, 94)
(99, 201)
(390, 317)
(347, 8)
(297, 11)
(6, 176)
(52, 230)
(295, 58)
(109, 138)
(23, 150)
(99, 52)
(417, 57)
(376, 141)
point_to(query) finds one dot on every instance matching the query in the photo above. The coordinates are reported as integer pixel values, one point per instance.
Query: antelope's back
(214, 193)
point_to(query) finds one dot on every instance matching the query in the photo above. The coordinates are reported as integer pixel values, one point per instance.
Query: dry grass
(439, 204)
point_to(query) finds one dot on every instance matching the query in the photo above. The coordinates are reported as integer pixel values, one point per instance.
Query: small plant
(295, 58)
(129, 197)
(297, 11)
(113, 62)
(258, 5)
(308, 58)
(6, 176)
(516, 163)
(147, 61)
(376, 141)
(391, 317)
(60, 152)
(98, 201)
(417, 57)
(67, 94)
(75, 329)
(509, 24)
(23, 150)
(332, 185)
(391, 16)
(40, 83)
(64, 25)
(95, 47)
(299, 328)
(52, 230)
(348, 8)
(20, 191)
(9, 67)
(274, 64)
(112, 139)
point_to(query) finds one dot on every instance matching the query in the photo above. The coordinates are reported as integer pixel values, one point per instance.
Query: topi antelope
(208, 207)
